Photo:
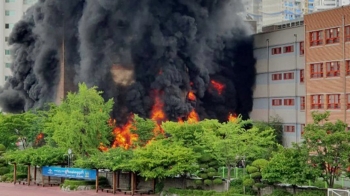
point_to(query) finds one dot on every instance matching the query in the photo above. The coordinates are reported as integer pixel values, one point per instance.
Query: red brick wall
(327, 52)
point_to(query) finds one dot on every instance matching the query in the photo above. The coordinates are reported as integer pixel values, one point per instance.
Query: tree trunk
(184, 182)
(294, 189)
(228, 177)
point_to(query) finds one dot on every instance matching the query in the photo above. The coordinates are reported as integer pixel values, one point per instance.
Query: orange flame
(103, 147)
(217, 86)
(123, 136)
(191, 96)
(193, 117)
(157, 113)
(38, 138)
(232, 117)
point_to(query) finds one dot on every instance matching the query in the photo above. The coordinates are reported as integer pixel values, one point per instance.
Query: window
(316, 101)
(316, 38)
(347, 33)
(9, 25)
(26, 2)
(276, 51)
(288, 49)
(333, 69)
(288, 102)
(348, 101)
(10, 1)
(6, 78)
(288, 76)
(7, 52)
(301, 48)
(277, 76)
(333, 101)
(347, 67)
(8, 65)
(276, 102)
(302, 103)
(10, 12)
(301, 75)
(316, 70)
(289, 128)
(332, 35)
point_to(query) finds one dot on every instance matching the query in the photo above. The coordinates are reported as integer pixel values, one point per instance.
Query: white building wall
(15, 9)
(266, 89)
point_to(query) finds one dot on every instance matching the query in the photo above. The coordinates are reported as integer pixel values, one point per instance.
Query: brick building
(327, 63)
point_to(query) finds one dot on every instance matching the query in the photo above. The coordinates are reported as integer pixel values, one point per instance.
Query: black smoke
(171, 47)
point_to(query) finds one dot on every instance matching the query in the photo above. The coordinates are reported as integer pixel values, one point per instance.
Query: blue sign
(77, 173)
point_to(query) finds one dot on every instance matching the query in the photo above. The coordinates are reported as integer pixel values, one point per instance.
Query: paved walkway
(9, 189)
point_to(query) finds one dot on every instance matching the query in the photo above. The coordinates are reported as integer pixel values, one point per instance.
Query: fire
(157, 113)
(38, 138)
(103, 148)
(193, 117)
(217, 86)
(232, 118)
(123, 136)
(191, 96)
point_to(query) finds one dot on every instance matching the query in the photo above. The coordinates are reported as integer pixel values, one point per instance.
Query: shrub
(203, 175)
(4, 170)
(198, 182)
(207, 182)
(3, 178)
(2, 148)
(211, 174)
(251, 169)
(211, 169)
(256, 175)
(217, 181)
(248, 182)
(204, 166)
(280, 192)
(311, 193)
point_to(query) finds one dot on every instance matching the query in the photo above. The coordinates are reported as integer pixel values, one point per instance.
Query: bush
(2, 148)
(203, 175)
(248, 182)
(280, 192)
(211, 174)
(198, 182)
(4, 170)
(311, 193)
(251, 169)
(217, 181)
(3, 179)
(207, 182)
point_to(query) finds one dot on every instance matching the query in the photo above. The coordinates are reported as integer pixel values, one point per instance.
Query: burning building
(160, 59)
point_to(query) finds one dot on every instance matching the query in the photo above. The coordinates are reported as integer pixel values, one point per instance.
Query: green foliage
(4, 170)
(43, 156)
(22, 127)
(113, 159)
(207, 182)
(276, 123)
(280, 192)
(330, 144)
(248, 182)
(2, 148)
(80, 122)
(231, 142)
(163, 158)
(218, 181)
(289, 165)
(144, 129)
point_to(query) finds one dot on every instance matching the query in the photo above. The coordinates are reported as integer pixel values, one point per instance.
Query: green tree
(80, 122)
(255, 177)
(289, 165)
(22, 127)
(276, 123)
(232, 142)
(328, 146)
(163, 158)
(144, 129)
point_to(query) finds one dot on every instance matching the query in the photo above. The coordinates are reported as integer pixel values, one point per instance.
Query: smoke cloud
(134, 50)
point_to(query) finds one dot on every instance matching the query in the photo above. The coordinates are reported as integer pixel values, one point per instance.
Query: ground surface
(9, 189)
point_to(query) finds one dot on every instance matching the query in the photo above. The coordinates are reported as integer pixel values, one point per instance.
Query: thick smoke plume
(135, 50)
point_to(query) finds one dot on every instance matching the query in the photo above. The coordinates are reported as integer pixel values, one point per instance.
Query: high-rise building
(11, 11)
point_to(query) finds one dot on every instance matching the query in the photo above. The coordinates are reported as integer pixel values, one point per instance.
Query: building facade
(280, 88)
(11, 11)
(327, 72)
